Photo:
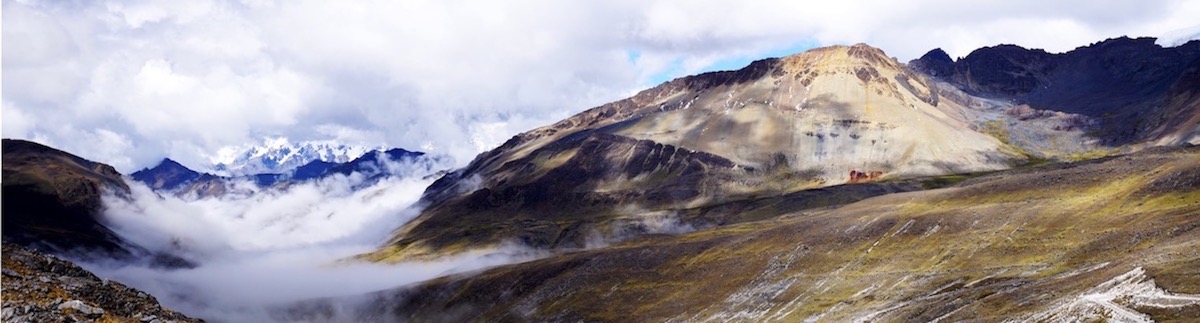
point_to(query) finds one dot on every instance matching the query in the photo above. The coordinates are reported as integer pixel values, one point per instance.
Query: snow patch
(1112, 300)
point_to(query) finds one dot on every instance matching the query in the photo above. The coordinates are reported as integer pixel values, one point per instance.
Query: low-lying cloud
(267, 248)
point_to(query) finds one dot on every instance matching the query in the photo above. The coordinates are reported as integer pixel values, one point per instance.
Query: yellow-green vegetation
(1007, 245)
(1092, 154)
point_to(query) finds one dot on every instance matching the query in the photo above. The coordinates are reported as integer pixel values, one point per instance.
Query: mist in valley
(261, 249)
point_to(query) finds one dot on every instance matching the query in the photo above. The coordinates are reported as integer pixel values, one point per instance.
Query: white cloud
(267, 248)
(1179, 36)
(188, 77)
(16, 122)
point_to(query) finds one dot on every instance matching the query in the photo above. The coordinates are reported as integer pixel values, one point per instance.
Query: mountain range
(174, 178)
(279, 155)
(838, 184)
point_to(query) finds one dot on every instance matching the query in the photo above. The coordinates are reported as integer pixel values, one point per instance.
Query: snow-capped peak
(278, 155)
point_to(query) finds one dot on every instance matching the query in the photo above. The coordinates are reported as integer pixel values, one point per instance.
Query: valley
(1016, 245)
(838, 184)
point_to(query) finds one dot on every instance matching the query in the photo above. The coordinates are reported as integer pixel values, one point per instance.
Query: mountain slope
(825, 117)
(1123, 87)
(52, 199)
(1072, 241)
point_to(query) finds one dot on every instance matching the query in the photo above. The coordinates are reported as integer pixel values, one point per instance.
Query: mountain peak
(937, 54)
(168, 175)
(167, 162)
(280, 155)
(839, 59)
(935, 63)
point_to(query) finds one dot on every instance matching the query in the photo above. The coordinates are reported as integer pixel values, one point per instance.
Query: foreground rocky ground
(44, 288)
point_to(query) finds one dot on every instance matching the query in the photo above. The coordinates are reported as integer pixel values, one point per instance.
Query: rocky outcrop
(41, 288)
(935, 63)
(1180, 116)
(864, 176)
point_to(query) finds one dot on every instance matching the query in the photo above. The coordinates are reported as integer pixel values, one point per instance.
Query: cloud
(263, 249)
(1179, 36)
(350, 209)
(455, 77)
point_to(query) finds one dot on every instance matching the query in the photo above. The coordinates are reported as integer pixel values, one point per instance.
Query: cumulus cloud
(456, 77)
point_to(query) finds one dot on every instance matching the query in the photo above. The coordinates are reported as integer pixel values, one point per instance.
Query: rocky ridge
(1120, 92)
(42, 288)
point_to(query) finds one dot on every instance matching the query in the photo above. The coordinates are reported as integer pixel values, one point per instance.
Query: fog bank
(272, 247)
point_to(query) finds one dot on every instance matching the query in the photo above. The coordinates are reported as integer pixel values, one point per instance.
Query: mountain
(1061, 208)
(394, 161)
(829, 116)
(52, 202)
(278, 155)
(313, 169)
(173, 178)
(167, 175)
(1106, 239)
(825, 117)
(1123, 91)
(52, 199)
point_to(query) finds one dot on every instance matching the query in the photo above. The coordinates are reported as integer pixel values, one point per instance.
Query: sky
(130, 82)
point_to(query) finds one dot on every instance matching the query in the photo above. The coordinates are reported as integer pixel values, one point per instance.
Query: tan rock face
(774, 127)
(830, 110)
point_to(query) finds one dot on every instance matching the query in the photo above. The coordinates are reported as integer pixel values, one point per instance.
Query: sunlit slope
(831, 110)
(825, 117)
(1093, 240)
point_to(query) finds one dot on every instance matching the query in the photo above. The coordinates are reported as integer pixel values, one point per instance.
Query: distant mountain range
(52, 198)
(174, 178)
(279, 155)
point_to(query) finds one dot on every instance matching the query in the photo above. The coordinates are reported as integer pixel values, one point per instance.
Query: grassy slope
(1001, 245)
